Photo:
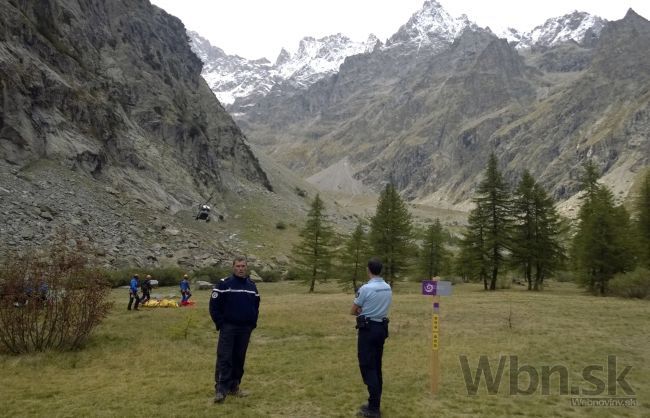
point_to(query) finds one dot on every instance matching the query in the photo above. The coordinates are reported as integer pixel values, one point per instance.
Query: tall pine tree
(601, 246)
(493, 197)
(313, 254)
(549, 232)
(390, 232)
(536, 246)
(354, 256)
(642, 221)
(524, 228)
(433, 253)
(472, 262)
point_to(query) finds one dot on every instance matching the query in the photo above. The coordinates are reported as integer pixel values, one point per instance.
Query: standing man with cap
(371, 308)
(234, 308)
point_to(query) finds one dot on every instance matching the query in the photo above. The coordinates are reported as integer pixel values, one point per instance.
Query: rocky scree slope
(111, 94)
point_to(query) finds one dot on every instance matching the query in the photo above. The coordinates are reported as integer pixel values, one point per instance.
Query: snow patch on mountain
(316, 58)
(231, 76)
(431, 26)
(576, 26)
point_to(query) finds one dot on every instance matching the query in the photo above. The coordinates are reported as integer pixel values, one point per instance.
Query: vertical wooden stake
(435, 342)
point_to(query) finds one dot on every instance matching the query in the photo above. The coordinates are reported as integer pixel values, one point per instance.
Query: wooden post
(435, 343)
(435, 288)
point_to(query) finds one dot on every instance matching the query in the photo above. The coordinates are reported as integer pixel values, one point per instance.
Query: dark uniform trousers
(231, 355)
(370, 349)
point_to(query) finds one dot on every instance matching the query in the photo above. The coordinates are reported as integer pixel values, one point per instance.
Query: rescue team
(146, 286)
(235, 306)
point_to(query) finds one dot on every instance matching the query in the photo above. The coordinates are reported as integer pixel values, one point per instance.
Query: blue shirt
(134, 285)
(374, 298)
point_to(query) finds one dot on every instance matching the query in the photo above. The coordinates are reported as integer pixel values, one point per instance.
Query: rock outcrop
(107, 98)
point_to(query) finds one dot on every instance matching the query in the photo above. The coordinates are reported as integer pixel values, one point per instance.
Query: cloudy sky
(259, 28)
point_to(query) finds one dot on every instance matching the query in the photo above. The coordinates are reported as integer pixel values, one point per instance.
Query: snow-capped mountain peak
(316, 58)
(432, 26)
(575, 26)
(231, 76)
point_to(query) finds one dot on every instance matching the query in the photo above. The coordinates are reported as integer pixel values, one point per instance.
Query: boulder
(203, 285)
(255, 277)
(282, 260)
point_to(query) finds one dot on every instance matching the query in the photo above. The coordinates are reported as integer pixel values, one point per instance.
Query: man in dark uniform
(146, 290)
(234, 308)
(371, 308)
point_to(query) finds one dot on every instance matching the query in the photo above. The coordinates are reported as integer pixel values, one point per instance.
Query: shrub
(292, 274)
(635, 284)
(211, 274)
(166, 276)
(280, 225)
(564, 276)
(52, 299)
(269, 276)
(504, 282)
(118, 278)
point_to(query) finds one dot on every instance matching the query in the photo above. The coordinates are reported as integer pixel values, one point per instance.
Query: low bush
(269, 276)
(292, 274)
(166, 276)
(211, 274)
(51, 299)
(635, 284)
(564, 276)
(280, 225)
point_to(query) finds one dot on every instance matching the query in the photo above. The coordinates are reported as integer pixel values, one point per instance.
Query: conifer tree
(433, 254)
(536, 246)
(313, 254)
(354, 256)
(601, 246)
(550, 253)
(642, 221)
(524, 228)
(390, 232)
(493, 197)
(472, 261)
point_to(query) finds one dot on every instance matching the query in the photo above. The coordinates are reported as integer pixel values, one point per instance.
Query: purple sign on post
(436, 287)
(429, 287)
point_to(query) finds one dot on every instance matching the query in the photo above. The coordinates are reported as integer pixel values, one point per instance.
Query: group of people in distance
(146, 286)
(234, 309)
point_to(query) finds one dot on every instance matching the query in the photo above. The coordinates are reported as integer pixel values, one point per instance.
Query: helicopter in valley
(204, 210)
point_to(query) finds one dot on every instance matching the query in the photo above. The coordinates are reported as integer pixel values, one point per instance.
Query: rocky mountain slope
(108, 128)
(427, 115)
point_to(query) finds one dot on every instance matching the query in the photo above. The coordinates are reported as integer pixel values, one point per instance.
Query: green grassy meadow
(302, 357)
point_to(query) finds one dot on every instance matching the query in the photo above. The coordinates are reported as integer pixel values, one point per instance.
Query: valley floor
(302, 358)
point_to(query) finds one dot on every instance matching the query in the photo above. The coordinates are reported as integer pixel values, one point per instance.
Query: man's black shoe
(364, 411)
(219, 397)
(238, 393)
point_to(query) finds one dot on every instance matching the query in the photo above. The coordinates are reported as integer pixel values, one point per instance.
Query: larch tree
(390, 232)
(354, 256)
(313, 254)
(493, 197)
